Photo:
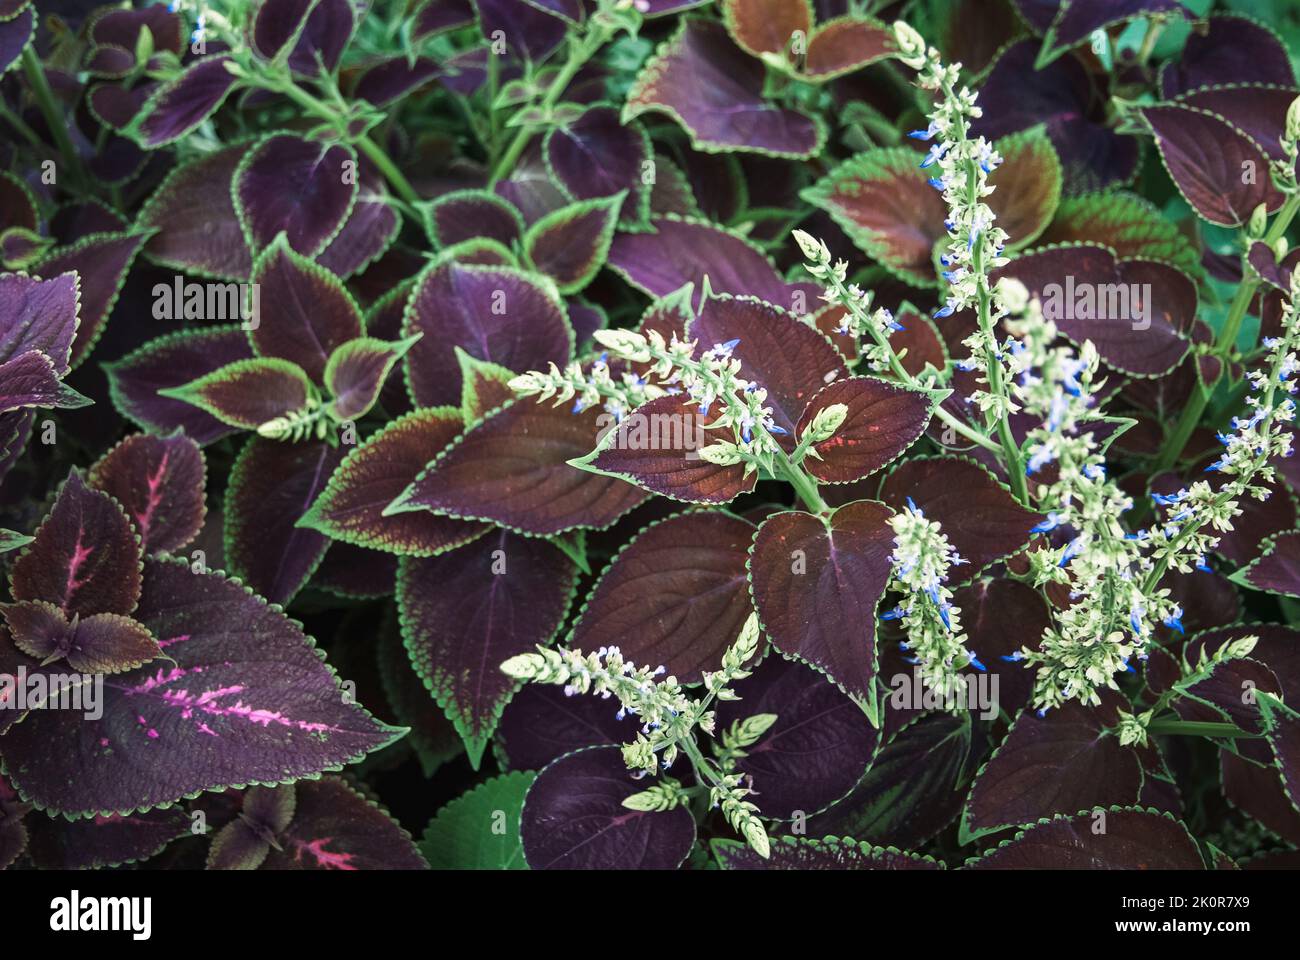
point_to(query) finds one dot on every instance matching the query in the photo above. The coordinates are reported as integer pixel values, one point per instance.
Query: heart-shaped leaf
(676, 595)
(1130, 838)
(816, 583)
(466, 834)
(976, 512)
(570, 244)
(180, 105)
(247, 700)
(818, 748)
(574, 819)
(160, 483)
(1218, 169)
(494, 313)
(351, 507)
(512, 468)
(883, 420)
(466, 612)
(357, 370)
(247, 393)
(301, 187)
(305, 313)
(1060, 763)
(85, 557)
(464, 215)
(715, 91)
(169, 362)
(192, 214)
(830, 853)
(272, 483)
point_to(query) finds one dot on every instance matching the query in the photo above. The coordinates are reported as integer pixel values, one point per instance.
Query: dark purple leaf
(1000, 616)
(272, 484)
(104, 841)
(816, 583)
(570, 244)
(1234, 49)
(597, 156)
(1076, 22)
(530, 33)
(493, 313)
(1257, 792)
(179, 106)
(432, 17)
(247, 700)
(816, 751)
(1277, 570)
(1256, 109)
(301, 187)
(469, 214)
(305, 311)
(159, 481)
(17, 205)
(541, 723)
(1132, 839)
(357, 371)
(247, 393)
(123, 26)
(466, 612)
(390, 80)
(173, 361)
(370, 229)
(1130, 225)
(85, 558)
(15, 34)
(105, 643)
(976, 512)
(574, 819)
(714, 89)
(676, 595)
(513, 469)
(29, 380)
(321, 41)
(830, 853)
(39, 315)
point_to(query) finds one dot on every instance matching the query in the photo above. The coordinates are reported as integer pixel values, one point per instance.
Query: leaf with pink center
(574, 819)
(466, 612)
(192, 214)
(305, 312)
(29, 380)
(570, 244)
(160, 483)
(1133, 839)
(351, 507)
(100, 643)
(246, 700)
(882, 421)
(39, 315)
(247, 393)
(101, 262)
(656, 447)
(301, 187)
(513, 468)
(677, 595)
(777, 351)
(181, 105)
(816, 583)
(598, 156)
(272, 485)
(497, 314)
(702, 80)
(829, 853)
(818, 748)
(169, 362)
(85, 557)
(976, 512)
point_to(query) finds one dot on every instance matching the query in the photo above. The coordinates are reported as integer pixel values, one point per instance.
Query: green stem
(993, 368)
(1176, 442)
(1189, 728)
(803, 484)
(54, 117)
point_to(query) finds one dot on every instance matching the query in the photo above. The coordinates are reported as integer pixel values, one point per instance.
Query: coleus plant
(888, 405)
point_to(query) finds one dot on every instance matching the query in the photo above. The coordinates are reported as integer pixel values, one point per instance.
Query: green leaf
(480, 830)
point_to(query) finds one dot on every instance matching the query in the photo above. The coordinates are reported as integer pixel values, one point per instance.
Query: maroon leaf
(320, 41)
(193, 214)
(1132, 839)
(975, 511)
(1219, 170)
(466, 612)
(172, 361)
(357, 372)
(1061, 763)
(541, 724)
(104, 841)
(180, 105)
(816, 583)
(883, 420)
(85, 558)
(272, 484)
(715, 91)
(160, 483)
(570, 244)
(469, 214)
(351, 507)
(767, 26)
(105, 643)
(1277, 570)
(846, 44)
(305, 311)
(369, 230)
(777, 351)
(574, 819)
(597, 156)
(676, 595)
(301, 187)
(493, 313)
(830, 853)
(247, 393)
(657, 447)
(818, 748)
(513, 469)
(1234, 49)
(1001, 616)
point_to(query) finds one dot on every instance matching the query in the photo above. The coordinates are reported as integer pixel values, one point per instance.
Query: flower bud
(911, 45)
(1258, 222)
(1293, 120)
(1013, 294)
(625, 343)
(826, 422)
